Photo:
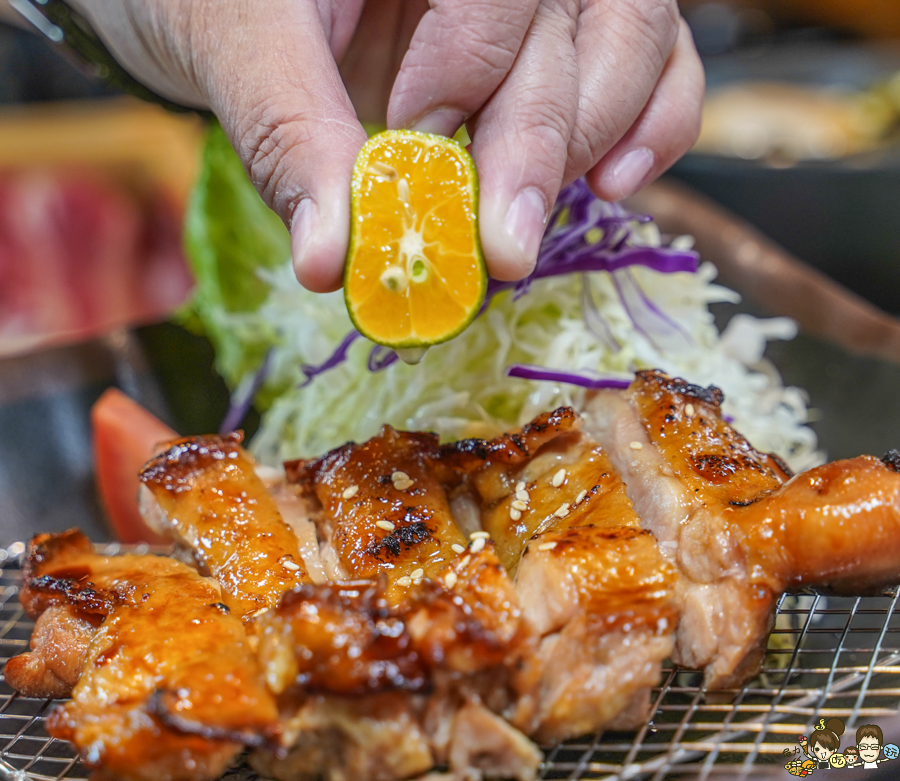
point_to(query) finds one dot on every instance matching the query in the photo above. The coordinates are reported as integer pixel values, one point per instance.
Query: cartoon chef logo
(820, 751)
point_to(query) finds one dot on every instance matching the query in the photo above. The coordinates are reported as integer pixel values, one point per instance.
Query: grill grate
(834, 656)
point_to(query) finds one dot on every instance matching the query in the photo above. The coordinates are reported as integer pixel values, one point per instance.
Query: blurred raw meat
(80, 253)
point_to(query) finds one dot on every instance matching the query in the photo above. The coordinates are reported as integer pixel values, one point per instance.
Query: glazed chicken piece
(386, 513)
(737, 532)
(602, 597)
(491, 473)
(835, 527)
(590, 581)
(146, 705)
(383, 512)
(379, 690)
(213, 502)
(59, 645)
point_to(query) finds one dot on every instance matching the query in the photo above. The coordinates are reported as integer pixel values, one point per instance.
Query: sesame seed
(689, 409)
(518, 504)
(476, 535)
(457, 548)
(547, 546)
(416, 574)
(386, 525)
(636, 446)
(399, 476)
(464, 561)
(515, 514)
(476, 546)
(558, 478)
(520, 486)
(580, 498)
(404, 581)
(562, 511)
(293, 566)
(350, 492)
(417, 581)
(522, 495)
(450, 579)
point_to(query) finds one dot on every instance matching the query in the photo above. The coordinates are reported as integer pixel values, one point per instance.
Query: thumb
(273, 83)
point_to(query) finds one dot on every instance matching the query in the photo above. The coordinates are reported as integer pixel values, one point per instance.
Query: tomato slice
(125, 437)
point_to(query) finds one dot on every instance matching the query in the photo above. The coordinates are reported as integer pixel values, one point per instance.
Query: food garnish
(414, 275)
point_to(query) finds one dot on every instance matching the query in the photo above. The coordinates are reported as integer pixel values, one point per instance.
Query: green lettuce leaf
(230, 236)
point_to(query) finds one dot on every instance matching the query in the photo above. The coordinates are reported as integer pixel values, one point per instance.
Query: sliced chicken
(213, 502)
(590, 581)
(167, 686)
(385, 509)
(459, 599)
(339, 655)
(735, 528)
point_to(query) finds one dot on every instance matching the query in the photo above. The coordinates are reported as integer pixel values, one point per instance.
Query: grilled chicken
(590, 581)
(578, 679)
(163, 680)
(409, 680)
(383, 510)
(213, 502)
(459, 599)
(735, 524)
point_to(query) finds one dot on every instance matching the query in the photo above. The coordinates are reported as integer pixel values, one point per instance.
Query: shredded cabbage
(598, 323)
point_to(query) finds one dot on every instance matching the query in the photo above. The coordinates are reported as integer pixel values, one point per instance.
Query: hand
(550, 90)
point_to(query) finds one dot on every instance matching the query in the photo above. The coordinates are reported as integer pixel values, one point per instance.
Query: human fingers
(268, 72)
(520, 138)
(622, 48)
(665, 130)
(459, 54)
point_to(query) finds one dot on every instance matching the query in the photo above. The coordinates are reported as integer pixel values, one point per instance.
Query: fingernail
(304, 225)
(442, 122)
(303, 222)
(525, 222)
(630, 172)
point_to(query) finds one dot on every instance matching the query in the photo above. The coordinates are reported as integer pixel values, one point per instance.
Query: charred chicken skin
(383, 509)
(163, 680)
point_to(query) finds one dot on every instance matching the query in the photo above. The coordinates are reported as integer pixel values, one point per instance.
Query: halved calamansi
(414, 275)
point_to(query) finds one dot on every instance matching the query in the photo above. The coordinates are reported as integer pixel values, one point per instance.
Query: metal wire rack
(827, 656)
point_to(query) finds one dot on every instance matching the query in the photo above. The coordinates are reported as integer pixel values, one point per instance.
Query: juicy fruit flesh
(415, 275)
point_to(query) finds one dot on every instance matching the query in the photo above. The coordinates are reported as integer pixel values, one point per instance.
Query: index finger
(460, 53)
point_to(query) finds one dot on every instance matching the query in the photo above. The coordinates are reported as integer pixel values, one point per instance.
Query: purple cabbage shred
(380, 357)
(337, 357)
(240, 403)
(583, 378)
(587, 234)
